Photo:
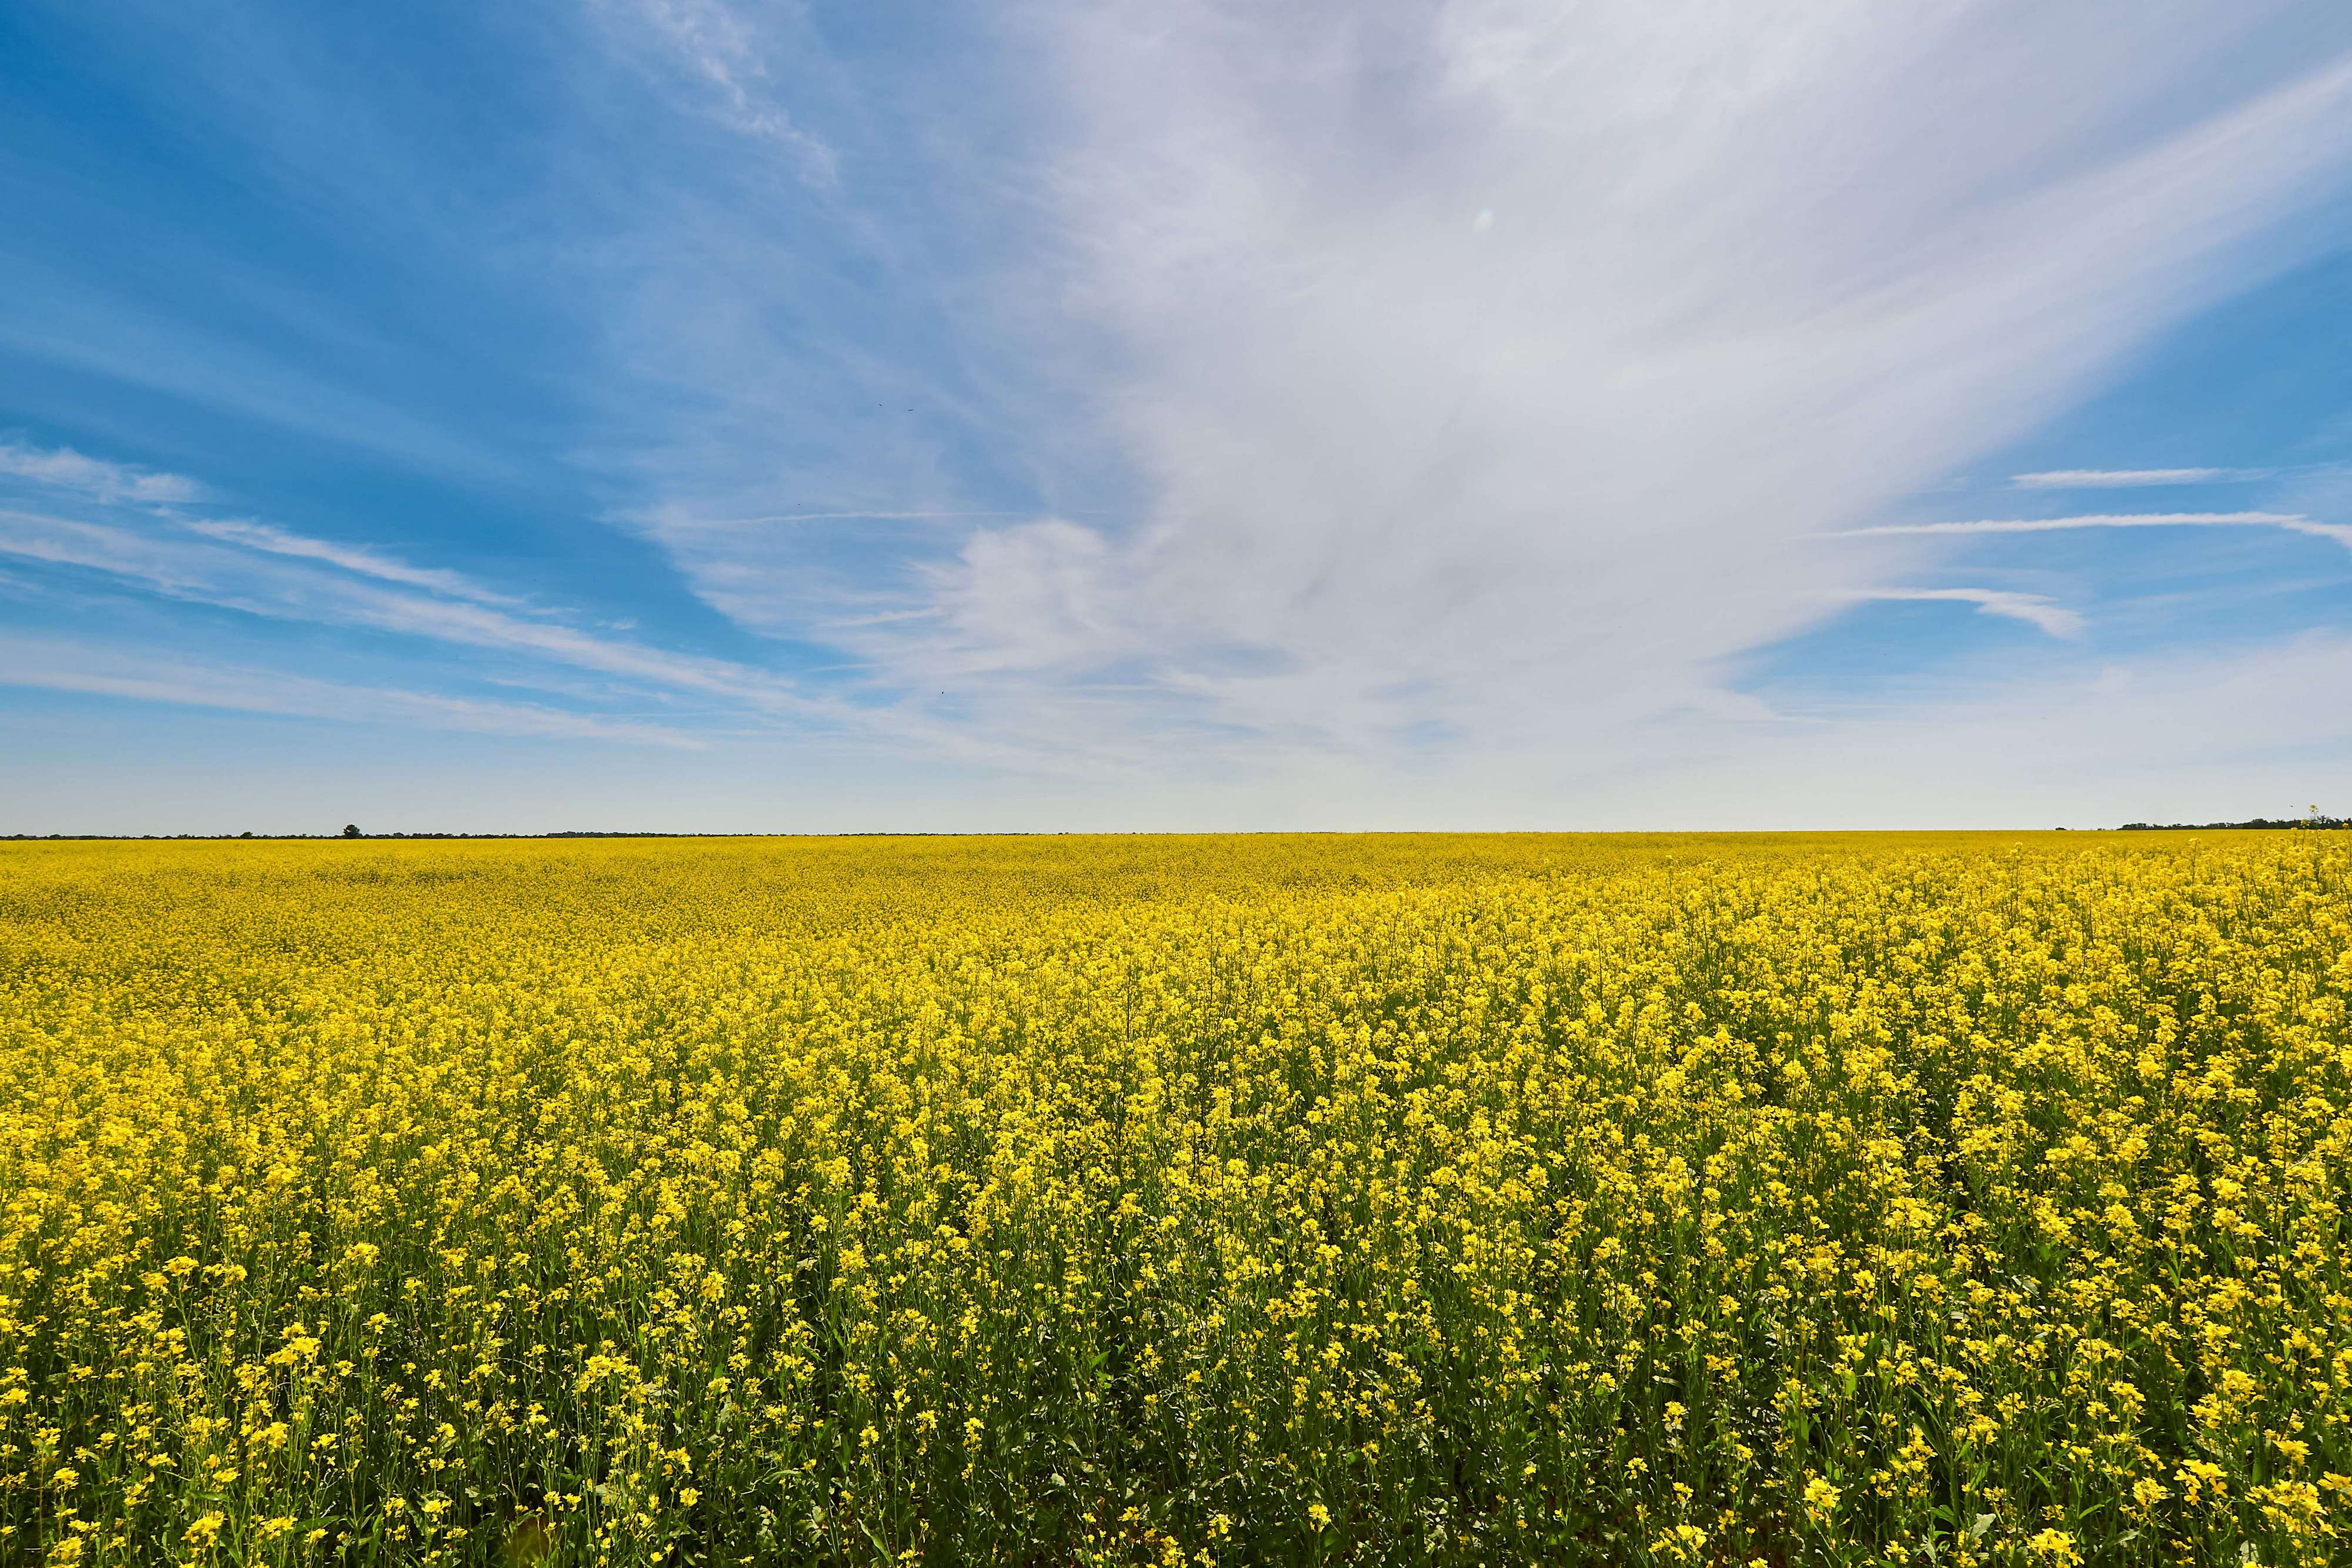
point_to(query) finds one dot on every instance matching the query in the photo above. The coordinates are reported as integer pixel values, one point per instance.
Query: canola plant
(1956, 1199)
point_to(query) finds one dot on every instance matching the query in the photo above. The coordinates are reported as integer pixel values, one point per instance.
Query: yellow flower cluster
(1468, 1200)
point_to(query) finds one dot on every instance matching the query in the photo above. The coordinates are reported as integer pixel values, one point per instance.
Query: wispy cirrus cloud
(168, 494)
(62, 468)
(719, 49)
(287, 584)
(2293, 522)
(71, 666)
(2036, 610)
(1491, 369)
(882, 517)
(151, 541)
(2132, 478)
(350, 558)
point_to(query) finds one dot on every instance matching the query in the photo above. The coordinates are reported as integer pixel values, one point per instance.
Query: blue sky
(673, 413)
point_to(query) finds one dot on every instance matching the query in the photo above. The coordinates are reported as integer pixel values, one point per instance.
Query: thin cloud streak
(845, 517)
(2293, 522)
(287, 586)
(79, 667)
(230, 578)
(2128, 478)
(720, 46)
(2034, 608)
(350, 558)
(62, 468)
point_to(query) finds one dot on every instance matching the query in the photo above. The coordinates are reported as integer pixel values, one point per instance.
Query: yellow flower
(1259, 1167)
(2055, 1547)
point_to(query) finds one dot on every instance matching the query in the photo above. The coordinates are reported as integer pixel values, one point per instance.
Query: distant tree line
(2313, 821)
(352, 831)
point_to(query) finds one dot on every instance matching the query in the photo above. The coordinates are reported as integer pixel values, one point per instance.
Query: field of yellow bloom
(1936, 1199)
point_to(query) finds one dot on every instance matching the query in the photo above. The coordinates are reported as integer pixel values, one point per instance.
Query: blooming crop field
(1469, 1200)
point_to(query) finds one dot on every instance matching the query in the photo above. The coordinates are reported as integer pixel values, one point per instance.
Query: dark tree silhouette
(350, 830)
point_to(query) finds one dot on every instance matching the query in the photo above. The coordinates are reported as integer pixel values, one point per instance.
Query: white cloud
(209, 573)
(849, 517)
(2202, 736)
(719, 49)
(2293, 522)
(350, 558)
(52, 665)
(2130, 478)
(1472, 382)
(1495, 365)
(117, 483)
(717, 696)
(62, 468)
(2034, 608)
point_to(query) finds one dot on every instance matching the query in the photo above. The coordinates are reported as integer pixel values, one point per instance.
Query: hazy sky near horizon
(699, 415)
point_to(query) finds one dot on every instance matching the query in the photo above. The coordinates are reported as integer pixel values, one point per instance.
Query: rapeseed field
(1951, 1199)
